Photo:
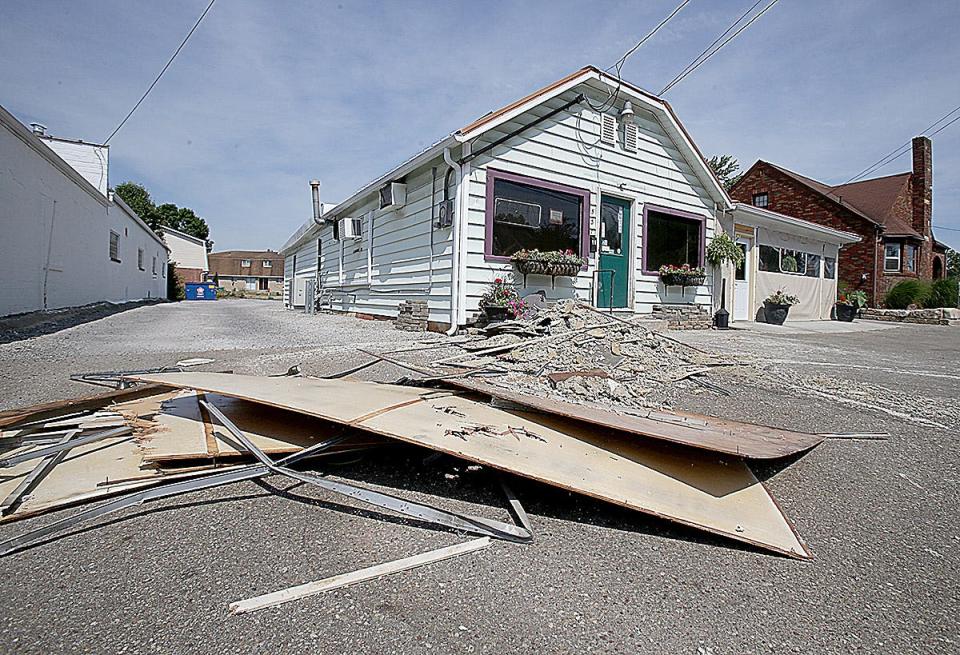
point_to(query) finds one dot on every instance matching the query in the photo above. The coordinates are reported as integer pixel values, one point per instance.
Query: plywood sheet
(695, 430)
(697, 488)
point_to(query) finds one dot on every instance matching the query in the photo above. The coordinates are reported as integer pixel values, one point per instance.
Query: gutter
(455, 255)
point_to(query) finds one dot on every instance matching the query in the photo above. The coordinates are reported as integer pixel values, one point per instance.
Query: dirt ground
(879, 516)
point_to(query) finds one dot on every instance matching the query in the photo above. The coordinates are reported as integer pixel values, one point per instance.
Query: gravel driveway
(879, 516)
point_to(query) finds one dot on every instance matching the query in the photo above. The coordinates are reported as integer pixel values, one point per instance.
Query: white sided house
(64, 241)
(588, 164)
(188, 254)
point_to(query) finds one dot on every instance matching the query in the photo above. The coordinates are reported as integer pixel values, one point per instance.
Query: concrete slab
(812, 327)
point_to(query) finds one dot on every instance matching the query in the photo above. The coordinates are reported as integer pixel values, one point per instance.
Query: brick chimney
(922, 185)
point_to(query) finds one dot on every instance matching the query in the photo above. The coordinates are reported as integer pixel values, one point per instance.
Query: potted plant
(849, 304)
(553, 262)
(682, 276)
(777, 305)
(501, 301)
(722, 249)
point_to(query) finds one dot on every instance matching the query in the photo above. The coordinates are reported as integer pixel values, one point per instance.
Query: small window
(672, 239)
(154, 266)
(769, 259)
(910, 258)
(741, 271)
(163, 269)
(813, 266)
(830, 268)
(140, 258)
(608, 129)
(525, 216)
(267, 263)
(761, 199)
(114, 246)
(245, 263)
(793, 261)
(891, 257)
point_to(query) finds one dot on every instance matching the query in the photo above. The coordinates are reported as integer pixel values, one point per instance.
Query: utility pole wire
(896, 153)
(683, 76)
(164, 70)
(715, 41)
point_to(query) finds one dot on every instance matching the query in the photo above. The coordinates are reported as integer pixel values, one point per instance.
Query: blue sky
(267, 95)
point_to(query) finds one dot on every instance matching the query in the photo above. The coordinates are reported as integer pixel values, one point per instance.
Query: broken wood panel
(12, 417)
(707, 432)
(700, 489)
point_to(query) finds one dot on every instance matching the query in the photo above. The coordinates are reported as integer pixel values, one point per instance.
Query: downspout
(455, 254)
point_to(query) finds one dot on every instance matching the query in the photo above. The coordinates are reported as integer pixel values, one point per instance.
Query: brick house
(891, 214)
(247, 270)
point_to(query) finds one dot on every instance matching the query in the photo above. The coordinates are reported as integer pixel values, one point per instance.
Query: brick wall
(789, 197)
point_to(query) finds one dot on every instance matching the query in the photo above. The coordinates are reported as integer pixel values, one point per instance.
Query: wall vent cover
(608, 129)
(630, 137)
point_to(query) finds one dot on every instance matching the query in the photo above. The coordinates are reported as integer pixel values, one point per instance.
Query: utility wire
(944, 227)
(164, 70)
(612, 97)
(715, 42)
(902, 150)
(702, 61)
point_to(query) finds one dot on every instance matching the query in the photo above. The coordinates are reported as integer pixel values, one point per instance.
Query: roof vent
(39, 129)
(630, 137)
(608, 129)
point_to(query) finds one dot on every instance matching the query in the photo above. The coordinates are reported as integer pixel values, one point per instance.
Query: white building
(589, 163)
(64, 242)
(188, 253)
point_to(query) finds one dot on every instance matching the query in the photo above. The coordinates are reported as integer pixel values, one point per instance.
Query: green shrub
(907, 292)
(943, 293)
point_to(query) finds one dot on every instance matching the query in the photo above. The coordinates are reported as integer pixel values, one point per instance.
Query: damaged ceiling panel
(694, 487)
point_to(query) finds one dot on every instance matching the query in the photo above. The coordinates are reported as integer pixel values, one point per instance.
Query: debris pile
(573, 351)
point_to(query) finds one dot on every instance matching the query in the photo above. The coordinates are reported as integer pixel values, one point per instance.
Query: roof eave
(838, 236)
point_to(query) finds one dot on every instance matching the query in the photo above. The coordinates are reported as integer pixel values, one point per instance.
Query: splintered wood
(703, 489)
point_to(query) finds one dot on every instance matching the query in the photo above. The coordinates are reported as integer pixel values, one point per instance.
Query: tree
(168, 214)
(139, 200)
(726, 167)
(953, 263)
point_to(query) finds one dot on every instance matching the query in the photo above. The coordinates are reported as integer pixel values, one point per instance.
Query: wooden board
(12, 417)
(697, 488)
(695, 430)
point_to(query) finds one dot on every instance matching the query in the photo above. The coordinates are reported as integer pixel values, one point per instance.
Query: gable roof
(872, 200)
(660, 107)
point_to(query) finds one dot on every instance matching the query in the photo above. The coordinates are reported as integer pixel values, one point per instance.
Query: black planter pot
(496, 313)
(775, 314)
(846, 312)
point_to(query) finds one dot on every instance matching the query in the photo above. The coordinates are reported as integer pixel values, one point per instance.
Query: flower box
(540, 267)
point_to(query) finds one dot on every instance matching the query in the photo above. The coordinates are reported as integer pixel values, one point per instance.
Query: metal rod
(64, 445)
(462, 522)
(35, 476)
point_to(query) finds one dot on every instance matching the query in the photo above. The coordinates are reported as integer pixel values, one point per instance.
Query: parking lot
(880, 517)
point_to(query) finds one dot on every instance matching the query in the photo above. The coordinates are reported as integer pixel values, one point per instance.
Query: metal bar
(35, 476)
(65, 445)
(249, 472)
(516, 506)
(352, 370)
(462, 522)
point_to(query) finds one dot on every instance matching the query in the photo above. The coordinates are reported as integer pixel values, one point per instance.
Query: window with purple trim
(526, 216)
(673, 240)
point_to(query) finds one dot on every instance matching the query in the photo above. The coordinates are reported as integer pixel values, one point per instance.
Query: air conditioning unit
(350, 228)
(445, 217)
(393, 195)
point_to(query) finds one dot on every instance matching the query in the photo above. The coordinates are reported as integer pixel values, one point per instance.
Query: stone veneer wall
(412, 316)
(926, 316)
(684, 317)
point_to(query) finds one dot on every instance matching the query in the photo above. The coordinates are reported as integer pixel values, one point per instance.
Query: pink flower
(498, 281)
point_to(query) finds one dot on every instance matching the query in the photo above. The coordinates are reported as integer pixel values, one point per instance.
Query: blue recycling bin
(200, 291)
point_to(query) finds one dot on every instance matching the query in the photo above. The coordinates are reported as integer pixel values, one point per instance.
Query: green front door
(614, 273)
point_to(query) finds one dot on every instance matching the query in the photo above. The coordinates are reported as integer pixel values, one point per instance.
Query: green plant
(780, 297)
(906, 293)
(504, 294)
(788, 264)
(723, 248)
(944, 293)
(856, 298)
(551, 256)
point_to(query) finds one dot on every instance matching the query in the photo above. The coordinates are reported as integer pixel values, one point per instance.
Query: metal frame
(66, 444)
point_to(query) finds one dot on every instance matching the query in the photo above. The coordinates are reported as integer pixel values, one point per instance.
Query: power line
(944, 227)
(612, 97)
(750, 22)
(715, 41)
(164, 70)
(898, 152)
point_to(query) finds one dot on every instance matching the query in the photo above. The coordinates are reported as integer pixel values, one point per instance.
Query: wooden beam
(345, 579)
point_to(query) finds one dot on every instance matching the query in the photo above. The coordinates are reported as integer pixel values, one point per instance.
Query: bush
(906, 293)
(943, 293)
